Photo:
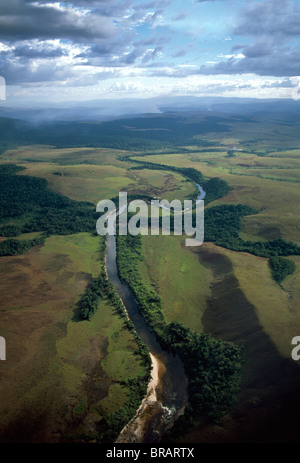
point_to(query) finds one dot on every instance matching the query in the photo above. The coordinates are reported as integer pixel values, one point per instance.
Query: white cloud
(151, 47)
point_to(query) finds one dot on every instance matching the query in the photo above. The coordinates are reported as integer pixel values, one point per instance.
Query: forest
(169, 131)
(28, 205)
(213, 367)
(281, 268)
(100, 288)
(214, 188)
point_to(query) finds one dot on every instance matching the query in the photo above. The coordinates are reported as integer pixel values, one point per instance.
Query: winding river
(166, 397)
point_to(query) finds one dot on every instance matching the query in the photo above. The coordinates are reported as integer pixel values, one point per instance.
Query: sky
(79, 50)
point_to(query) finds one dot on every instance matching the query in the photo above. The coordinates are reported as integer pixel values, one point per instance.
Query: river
(166, 396)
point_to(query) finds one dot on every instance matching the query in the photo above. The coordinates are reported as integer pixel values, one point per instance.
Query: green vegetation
(10, 230)
(14, 247)
(223, 223)
(258, 158)
(281, 268)
(142, 133)
(89, 301)
(10, 169)
(136, 383)
(81, 407)
(214, 188)
(176, 273)
(111, 424)
(50, 212)
(27, 205)
(213, 367)
(101, 289)
(128, 259)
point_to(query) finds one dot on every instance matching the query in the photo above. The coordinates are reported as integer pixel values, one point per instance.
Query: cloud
(180, 17)
(86, 42)
(91, 33)
(51, 20)
(267, 65)
(279, 17)
(42, 51)
(271, 29)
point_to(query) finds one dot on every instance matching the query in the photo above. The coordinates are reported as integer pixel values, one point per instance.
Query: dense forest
(223, 224)
(12, 247)
(28, 205)
(281, 268)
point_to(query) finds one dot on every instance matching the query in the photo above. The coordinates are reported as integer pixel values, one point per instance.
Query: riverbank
(137, 429)
(167, 390)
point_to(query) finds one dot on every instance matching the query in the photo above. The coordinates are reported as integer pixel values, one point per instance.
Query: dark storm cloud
(19, 72)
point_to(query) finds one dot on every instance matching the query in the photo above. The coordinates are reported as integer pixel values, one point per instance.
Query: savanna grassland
(232, 294)
(63, 374)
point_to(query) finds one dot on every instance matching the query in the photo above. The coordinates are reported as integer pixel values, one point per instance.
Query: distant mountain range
(100, 110)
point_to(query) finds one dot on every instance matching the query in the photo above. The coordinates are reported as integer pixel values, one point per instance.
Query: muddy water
(167, 392)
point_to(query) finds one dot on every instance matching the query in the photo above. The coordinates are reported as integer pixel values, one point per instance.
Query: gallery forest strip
(213, 367)
(102, 289)
(214, 187)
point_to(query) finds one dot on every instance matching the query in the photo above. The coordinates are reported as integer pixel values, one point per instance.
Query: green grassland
(38, 294)
(271, 301)
(103, 179)
(65, 156)
(66, 373)
(82, 182)
(269, 196)
(184, 283)
(178, 277)
(60, 364)
(278, 203)
(119, 351)
(56, 364)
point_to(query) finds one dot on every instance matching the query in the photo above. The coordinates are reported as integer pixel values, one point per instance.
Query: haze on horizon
(85, 50)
